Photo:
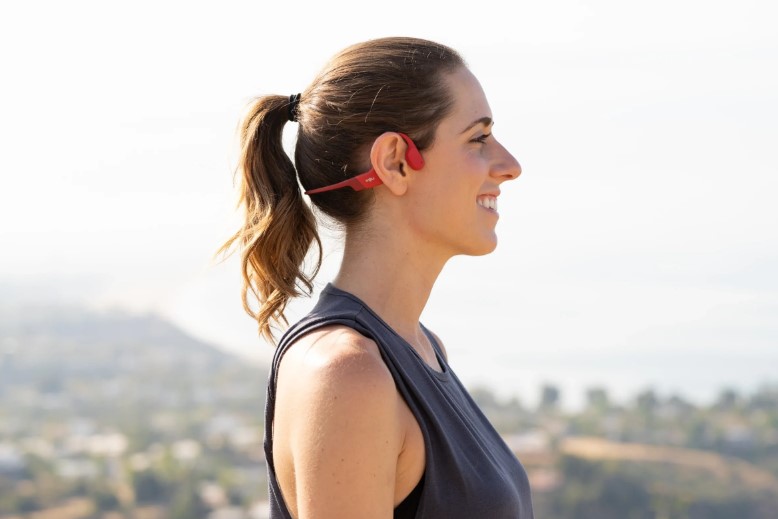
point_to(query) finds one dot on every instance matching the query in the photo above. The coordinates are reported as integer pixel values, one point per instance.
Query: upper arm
(340, 424)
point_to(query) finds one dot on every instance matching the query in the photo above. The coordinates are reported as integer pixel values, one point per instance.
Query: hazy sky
(638, 247)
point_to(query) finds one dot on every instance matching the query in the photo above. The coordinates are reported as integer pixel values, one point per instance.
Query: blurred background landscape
(108, 415)
(623, 337)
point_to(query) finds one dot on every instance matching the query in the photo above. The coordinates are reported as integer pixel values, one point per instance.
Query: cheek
(474, 165)
(436, 211)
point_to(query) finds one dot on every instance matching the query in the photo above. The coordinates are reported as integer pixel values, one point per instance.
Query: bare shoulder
(335, 370)
(338, 427)
(336, 358)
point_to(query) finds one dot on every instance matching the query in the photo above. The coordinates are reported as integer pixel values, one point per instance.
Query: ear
(387, 157)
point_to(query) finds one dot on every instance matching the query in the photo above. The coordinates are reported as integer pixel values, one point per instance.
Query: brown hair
(388, 84)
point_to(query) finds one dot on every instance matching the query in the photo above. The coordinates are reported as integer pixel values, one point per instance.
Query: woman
(365, 418)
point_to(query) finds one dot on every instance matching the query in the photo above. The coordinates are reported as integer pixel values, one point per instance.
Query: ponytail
(279, 227)
(387, 84)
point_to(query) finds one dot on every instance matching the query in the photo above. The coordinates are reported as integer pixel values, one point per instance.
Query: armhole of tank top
(409, 507)
(287, 341)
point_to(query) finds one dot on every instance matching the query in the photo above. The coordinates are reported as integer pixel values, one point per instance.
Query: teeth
(490, 202)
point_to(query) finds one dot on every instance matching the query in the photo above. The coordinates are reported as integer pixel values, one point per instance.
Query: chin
(482, 248)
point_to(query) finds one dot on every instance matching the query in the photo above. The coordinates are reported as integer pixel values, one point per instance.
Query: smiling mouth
(487, 202)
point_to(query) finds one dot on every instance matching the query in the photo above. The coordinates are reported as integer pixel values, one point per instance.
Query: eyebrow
(486, 121)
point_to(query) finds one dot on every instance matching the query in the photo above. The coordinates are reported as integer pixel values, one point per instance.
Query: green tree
(148, 487)
(727, 400)
(549, 397)
(104, 499)
(647, 402)
(186, 503)
(597, 399)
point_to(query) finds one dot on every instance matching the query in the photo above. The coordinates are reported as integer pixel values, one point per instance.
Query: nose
(505, 167)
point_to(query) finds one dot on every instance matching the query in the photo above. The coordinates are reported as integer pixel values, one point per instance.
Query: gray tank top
(470, 472)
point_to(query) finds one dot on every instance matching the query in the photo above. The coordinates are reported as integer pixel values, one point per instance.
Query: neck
(393, 276)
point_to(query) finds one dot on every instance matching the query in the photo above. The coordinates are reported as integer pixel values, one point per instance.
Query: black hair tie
(294, 100)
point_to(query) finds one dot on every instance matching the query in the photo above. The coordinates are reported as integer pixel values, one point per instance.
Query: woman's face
(454, 198)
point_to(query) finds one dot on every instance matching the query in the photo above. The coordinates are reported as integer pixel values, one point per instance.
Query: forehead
(470, 102)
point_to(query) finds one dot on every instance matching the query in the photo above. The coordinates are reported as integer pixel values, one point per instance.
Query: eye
(482, 138)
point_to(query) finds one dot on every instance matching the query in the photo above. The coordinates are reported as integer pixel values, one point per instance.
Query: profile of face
(453, 202)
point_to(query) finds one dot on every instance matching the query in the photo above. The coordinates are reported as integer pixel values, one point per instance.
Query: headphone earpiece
(412, 154)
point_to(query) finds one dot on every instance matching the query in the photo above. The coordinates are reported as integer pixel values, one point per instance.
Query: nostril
(510, 169)
(514, 168)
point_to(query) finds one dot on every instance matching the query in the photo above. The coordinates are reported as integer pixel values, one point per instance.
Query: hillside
(675, 463)
(49, 345)
(114, 410)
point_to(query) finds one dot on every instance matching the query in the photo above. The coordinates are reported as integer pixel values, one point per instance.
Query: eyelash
(482, 138)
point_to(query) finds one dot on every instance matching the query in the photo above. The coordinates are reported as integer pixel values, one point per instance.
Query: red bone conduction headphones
(371, 179)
